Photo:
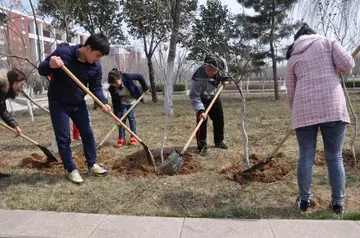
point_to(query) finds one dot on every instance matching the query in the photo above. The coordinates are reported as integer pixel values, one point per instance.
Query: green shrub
(179, 87)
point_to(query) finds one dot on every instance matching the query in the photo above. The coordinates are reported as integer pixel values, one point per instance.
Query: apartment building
(18, 36)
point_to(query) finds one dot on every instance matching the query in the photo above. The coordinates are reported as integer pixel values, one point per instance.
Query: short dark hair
(98, 42)
(214, 62)
(15, 75)
(63, 44)
(114, 75)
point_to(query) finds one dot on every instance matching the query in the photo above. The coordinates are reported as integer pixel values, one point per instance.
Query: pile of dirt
(276, 170)
(347, 158)
(39, 162)
(136, 165)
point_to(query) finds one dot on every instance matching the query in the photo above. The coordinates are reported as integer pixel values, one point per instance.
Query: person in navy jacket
(124, 93)
(66, 98)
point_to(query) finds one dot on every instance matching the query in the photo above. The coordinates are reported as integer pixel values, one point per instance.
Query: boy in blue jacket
(66, 98)
(124, 93)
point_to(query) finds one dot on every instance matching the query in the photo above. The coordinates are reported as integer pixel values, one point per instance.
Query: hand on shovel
(106, 109)
(17, 131)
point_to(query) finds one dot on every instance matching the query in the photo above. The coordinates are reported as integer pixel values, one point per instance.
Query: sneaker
(203, 151)
(337, 208)
(99, 171)
(221, 145)
(2, 175)
(120, 143)
(133, 141)
(303, 205)
(75, 177)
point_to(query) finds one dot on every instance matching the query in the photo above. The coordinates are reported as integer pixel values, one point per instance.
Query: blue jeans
(119, 112)
(333, 138)
(79, 114)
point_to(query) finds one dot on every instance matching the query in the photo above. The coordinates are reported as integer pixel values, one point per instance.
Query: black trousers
(216, 114)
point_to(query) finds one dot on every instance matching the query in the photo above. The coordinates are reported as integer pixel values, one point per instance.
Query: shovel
(172, 163)
(122, 118)
(148, 153)
(49, 156)
(270, 158)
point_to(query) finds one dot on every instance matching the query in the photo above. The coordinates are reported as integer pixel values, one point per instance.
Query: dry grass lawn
(206, 193)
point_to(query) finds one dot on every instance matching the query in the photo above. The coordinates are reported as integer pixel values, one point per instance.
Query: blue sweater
(62, 88)
(128, 82)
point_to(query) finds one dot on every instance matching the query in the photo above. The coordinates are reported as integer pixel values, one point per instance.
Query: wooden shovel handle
(22, 135)
(87, 91)
(122, 118)
(201, 120)
(356, 51)
(281, 143)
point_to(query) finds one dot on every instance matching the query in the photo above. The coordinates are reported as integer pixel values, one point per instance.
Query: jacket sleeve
(44, 67)
(195, 93)
(342, 59)
(290, 82)
(141, 80)
(5, 115)
(95, 85)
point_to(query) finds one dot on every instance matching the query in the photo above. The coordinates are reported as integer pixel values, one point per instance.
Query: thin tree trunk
(152, 80)
(169, 87)
(273, 55)
(243, 129)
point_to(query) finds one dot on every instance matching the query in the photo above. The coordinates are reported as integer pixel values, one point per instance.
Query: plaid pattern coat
(314, 89)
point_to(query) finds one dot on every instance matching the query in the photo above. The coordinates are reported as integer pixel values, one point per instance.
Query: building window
(22, 24)
(58, 36)
(46, 33)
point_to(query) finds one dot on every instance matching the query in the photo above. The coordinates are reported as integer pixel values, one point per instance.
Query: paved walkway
(18, 223)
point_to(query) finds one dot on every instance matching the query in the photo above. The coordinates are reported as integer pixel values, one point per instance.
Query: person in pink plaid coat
(317, 102)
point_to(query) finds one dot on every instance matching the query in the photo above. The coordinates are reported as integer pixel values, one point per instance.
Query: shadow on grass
(198, 205)
(30, 179)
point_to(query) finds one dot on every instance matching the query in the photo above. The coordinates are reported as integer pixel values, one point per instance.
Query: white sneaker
(97, 170)
(75, 177)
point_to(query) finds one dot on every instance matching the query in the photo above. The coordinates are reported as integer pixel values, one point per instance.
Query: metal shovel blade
(172, 164)
(49, 156)
(259, 165)
(149, 155)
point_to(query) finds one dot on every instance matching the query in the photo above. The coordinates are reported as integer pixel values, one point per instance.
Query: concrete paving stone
(131, 226)
(10, 219)
(194, 227)
(358, 222)
(54, 224)
(312, 228)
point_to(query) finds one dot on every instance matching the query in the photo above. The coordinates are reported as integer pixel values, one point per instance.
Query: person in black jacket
(10, 87)
(66, 98)
(124, 93)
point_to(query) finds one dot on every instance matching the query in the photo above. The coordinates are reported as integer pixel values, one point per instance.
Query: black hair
(114, 75)
(214, 62)
(98, 42)
(304, 30)
(15, 75)
(63, 44)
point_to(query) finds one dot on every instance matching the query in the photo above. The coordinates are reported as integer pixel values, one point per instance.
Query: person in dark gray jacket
(204, 85)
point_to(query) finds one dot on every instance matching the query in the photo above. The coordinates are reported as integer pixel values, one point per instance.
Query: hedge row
(177, 87)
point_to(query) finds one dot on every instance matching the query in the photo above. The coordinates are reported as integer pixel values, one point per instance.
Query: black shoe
(303, 205)
(4, 175)
(337, 208)
(221, 145)
(202, 151)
